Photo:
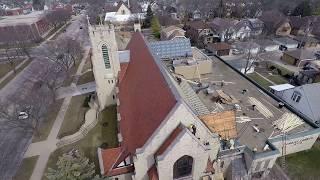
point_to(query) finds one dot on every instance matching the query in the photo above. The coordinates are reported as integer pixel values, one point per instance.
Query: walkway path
(76, 90)
(44, 148)
(11, 72)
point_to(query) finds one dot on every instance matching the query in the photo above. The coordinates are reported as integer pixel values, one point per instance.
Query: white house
(303, 98)
(123, 15)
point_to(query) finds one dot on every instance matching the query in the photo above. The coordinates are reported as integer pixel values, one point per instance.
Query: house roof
(198, 24)
(169, 140)
(171, 28)
(309, 91)
(302, 54)
(281, 87)
(219, 46)
(221, 24)
(145, 97)
(109, 158)
(176, 33)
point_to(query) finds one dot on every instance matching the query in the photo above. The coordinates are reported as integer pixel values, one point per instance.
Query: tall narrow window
(105, 55)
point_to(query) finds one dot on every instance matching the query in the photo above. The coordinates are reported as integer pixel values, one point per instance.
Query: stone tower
(105, 62)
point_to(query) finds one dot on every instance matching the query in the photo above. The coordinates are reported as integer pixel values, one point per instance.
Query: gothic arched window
(105, 54)
(182, 167)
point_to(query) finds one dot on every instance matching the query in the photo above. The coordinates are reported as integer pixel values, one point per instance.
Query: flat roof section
(257, 115)
(254, 124)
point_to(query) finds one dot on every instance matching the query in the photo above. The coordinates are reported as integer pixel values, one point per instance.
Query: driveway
(14, 142)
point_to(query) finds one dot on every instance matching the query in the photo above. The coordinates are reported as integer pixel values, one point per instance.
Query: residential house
(306, 41)
(267, 45)
(200, 33)
(286, 43)
(172, 32)
(123, 14)
(309, 74)
(242, 30)
(256, 26)
(196, 15)
(276, 23)
(298, 57)
(220, 48)
(304, 99)
(247, 47)
(224, 28)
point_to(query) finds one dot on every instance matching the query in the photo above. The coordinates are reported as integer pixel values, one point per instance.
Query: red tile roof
(121, 170)
(168, 141)
(109, 157)
(145, 97)
(153, 173)
(123, 69)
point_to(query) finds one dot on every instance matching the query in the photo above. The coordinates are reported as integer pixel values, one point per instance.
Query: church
(159, 136)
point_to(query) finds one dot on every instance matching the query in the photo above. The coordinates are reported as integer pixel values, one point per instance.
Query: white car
(23, 115)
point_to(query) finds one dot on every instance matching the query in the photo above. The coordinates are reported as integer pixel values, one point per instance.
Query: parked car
(23, 115)
(236, 52)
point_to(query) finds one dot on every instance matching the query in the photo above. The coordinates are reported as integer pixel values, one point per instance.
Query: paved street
(76, 90)
(14, 142)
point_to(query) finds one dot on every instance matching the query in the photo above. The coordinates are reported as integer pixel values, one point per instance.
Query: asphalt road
(14, 142)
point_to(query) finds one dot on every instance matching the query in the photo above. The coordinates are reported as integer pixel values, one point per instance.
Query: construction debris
(287, 122)
(260, 107)
(227, 99)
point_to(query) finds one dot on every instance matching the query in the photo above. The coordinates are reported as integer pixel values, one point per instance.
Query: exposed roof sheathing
(223, 123)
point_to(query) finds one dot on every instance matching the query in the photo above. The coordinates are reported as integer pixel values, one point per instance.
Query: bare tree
(25, 112)
(64, 54)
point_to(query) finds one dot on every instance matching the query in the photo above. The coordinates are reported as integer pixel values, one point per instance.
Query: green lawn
(304, 165)
(9, 78)
(85, 78)
(47, 123)
(7, 67)
(74, 117)
(260, 80)
(104, 132)
(277, 79)
(26, 168)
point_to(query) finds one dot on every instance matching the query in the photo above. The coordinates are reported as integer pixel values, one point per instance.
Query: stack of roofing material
(287, 122)
(260, 107)
(228, 99)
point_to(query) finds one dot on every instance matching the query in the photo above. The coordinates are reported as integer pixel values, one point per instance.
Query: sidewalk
(11, 72)
(45, 148)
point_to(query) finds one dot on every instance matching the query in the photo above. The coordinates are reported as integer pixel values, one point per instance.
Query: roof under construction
(233, 107)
